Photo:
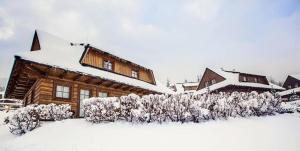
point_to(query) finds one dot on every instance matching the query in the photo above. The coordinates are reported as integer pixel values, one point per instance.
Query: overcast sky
(178, 39)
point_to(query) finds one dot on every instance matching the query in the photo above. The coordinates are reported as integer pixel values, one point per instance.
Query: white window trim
(63, 93)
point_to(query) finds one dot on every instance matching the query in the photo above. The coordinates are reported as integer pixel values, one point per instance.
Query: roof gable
(35, 43)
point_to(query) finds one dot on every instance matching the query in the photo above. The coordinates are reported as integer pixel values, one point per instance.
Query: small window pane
(59, 88)
(65, 95)
(59, 94)
(66, 89)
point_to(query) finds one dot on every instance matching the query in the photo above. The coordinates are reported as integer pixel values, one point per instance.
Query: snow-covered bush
(28, 118)
(97, 110)
(24, 120)
(182, 107)
(54, 112)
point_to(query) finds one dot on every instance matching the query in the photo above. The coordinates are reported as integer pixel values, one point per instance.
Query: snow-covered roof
(232, 78)
(290, 91)
(59, 53)
(179, 88)
(297, 76)
(190, 84)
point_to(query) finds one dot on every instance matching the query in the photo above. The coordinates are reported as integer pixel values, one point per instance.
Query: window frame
(102, 92)
(111, 62)
(137, 74)
(213, 81)
(64, 84)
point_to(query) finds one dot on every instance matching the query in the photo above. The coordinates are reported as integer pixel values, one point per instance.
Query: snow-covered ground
(271, 133)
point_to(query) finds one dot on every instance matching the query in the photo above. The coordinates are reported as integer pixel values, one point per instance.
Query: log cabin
(61, 72)
(228, 81)
(292, 84)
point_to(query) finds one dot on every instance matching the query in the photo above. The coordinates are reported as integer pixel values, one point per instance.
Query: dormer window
(107, 65)
(213, 81)
(134, 74)
(255, 80)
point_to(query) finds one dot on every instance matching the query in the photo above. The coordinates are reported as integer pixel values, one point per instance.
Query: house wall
(292, 82)
(95, 59)
(251, 78)
(45, 92)
(187, 88)
(208, 76)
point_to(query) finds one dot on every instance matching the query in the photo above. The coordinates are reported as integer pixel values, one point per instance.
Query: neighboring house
(185, 87)
(292, 84)
(57, 71)
(229, 81)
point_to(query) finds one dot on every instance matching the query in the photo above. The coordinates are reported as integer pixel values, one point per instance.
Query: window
(134, 74)
(213, 81)
(296, 85)
(102, 94)
(62, 92)
(206, 84)
(244, 78)
(255, 80)
(107, 65)
(289, 87)
(84, 94)
(1, 96)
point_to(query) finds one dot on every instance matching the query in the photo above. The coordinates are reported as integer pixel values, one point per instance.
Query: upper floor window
(296, 85)
(62, 92)
(244, 78)
(255, 80)
(134, 74)
(213, 81)
(102, 94)
(206, 84)
(107, 65)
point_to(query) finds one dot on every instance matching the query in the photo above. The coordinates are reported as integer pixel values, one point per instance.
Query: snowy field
(271, 133)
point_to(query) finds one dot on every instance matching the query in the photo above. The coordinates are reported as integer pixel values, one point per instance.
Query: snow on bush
(182, 107)
(24, 120)
(54, 112)
(28, 118)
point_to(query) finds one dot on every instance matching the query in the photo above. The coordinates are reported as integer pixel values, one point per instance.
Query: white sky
(178, 39)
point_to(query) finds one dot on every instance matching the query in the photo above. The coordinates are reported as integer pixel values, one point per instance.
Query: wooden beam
(77, 77)
(112, 84)
(63, 74)
(125, 87)
(35, 69)
(117, 85)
